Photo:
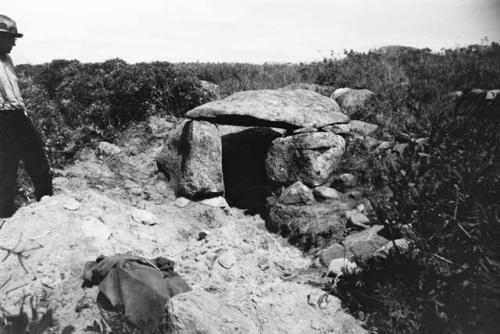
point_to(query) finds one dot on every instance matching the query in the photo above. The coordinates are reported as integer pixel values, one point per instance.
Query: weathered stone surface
(201, 168)
(170, 157)
(288, 109)
(105, 148)
(216, 202)
(160, 126)
(323, 90)
(345, 181)
(342, 266)
(358, 219)
(298, 194)
(309, 157)
(200, 312)
(144, 217)
(323, 193)
(363, 128)
(360, 246)
(312, 225)
(349, 98)
(210, 90)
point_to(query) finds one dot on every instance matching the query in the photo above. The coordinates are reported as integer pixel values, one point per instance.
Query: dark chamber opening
(243, 164)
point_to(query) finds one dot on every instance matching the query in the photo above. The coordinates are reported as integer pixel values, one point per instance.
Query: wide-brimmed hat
(8, 25)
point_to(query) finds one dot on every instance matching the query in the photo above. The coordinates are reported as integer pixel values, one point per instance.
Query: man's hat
(7, 25)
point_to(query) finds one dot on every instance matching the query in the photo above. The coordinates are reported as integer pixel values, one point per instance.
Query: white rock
(94, 228)
(323, 192)
(144, 217)
(342, 266)
(218, 202)
(105, 148)
(226, 260)
(359, 219)
(72, 205)
(493, 94)
(182, 202)
(403, 245)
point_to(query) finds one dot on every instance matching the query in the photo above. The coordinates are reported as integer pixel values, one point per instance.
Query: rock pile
(288, 142)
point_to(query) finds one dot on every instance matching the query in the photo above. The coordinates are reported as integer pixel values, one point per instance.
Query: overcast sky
(240, 31)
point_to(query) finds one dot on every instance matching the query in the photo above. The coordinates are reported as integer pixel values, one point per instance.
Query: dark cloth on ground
(19, 140)
(135, 287)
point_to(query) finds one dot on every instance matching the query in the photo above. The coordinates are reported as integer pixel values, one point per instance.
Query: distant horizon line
(333, 56)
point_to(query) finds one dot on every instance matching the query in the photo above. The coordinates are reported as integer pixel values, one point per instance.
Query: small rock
(202, 235)
(359, 219)
(370, 143)
(361, 245)
(182, 202)
(403, 245)
(226, 260)
(72, 205)
(217, 202)
(263, 264)
(94, 228)
(363, 128)
(493, 94)
(385, 145)
(297, 193)
(422, 141)
(347, 180)
(144, 217)
(105, 148)
(323, 192)
(354, 194)
(136, 191)
(342, 266)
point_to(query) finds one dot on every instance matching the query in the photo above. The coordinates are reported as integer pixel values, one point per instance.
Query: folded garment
(135, 287)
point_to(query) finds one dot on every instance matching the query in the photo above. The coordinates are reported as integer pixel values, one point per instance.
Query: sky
(252, 31)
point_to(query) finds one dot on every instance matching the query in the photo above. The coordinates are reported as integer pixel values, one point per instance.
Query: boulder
(312, 225)
(200, 312)
(170, 157)
(360, 246)
(348, 98)
(201, 168)
(297, 193)
(363, 128)
(309, 157)
(210, 91)
(323, 90)
(289, 109)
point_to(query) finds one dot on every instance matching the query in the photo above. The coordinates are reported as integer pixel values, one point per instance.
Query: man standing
(19, 140)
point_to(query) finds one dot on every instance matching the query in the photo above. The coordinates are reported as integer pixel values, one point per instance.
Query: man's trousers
(19, 140)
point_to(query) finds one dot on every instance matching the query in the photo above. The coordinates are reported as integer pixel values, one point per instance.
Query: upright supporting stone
(201, 167)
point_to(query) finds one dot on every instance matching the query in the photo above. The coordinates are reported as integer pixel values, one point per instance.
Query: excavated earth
(244, 278)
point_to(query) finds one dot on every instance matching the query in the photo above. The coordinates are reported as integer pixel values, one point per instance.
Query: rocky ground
(244, 278)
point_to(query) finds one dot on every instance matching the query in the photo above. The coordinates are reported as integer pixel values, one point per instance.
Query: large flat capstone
(287, 109)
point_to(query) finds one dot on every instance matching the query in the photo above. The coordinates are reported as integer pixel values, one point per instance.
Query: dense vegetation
(446, 189)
